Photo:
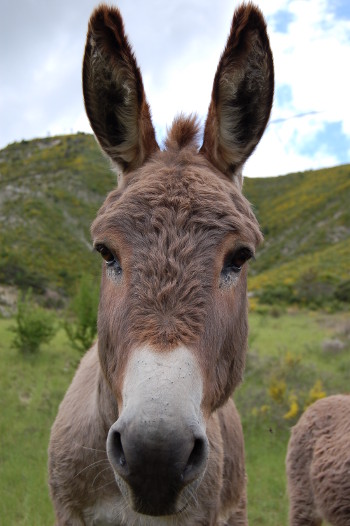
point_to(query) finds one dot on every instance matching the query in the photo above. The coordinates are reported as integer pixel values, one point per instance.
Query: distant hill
(51, 189)
(305, 218)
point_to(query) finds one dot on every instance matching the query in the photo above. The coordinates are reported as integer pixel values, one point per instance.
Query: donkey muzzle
(158, 447)
(156, 465)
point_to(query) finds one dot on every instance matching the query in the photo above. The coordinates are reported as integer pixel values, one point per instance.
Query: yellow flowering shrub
(316, 393)
(291, 360)
(277, 390)
(253, 304)
(293, 408)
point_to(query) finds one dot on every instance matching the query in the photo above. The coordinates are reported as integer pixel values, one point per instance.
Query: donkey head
(175, 235)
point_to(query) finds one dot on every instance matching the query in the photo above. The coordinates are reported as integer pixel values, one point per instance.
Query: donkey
(318, 464)
(147, 433)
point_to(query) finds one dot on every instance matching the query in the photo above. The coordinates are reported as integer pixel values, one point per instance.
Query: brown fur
(172, 223)
(318, 464)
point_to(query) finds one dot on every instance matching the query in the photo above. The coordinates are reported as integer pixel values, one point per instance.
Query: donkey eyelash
(105, 252)
(235, 260)
(111, 260)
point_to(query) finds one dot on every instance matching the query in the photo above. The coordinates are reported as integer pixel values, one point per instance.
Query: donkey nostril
(196, 453)
(117, 449)
(195, 461)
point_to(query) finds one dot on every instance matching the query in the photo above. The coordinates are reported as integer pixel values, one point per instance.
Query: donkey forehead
(184, 197)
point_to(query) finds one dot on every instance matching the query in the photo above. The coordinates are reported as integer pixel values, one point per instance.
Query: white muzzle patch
(163, 384)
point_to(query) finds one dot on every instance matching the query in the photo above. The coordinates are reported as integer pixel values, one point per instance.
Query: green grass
(267, 496)
(31, 389)
(289, 331)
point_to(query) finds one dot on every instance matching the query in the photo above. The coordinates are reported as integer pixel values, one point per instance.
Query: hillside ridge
(51, 189)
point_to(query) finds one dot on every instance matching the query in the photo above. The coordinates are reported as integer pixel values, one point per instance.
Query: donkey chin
(159, 461)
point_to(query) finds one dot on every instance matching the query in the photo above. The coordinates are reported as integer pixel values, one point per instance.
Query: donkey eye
(235, 260)
(111, 260)
(105, 253)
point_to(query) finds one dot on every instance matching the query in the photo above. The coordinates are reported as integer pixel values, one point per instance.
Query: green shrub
(282, 293)
(342, 292)
(81, 319)
(34, 325)
(289, 386)
(312, 291)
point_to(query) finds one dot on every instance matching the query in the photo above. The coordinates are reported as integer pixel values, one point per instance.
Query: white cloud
(311, 58)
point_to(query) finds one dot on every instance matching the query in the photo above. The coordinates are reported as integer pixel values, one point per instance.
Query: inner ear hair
(242, 94)
(114, 95)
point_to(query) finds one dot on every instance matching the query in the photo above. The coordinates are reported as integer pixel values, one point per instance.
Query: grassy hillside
(306, 221)
(51, 189)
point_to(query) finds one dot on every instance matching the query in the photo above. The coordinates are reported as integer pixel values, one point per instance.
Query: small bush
(278, 294)
(81, 320)
(285, 386)
(312, 291)
(342, 292)
(34, 325)
(309, 290)
(277, 390)
(333, 345)
(289, 392)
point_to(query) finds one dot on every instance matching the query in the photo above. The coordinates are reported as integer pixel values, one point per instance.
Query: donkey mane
(183, 132)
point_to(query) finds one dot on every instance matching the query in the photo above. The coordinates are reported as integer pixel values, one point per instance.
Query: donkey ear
(114, 96)
(242, 94)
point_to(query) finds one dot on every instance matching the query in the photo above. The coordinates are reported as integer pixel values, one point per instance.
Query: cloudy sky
(178, 44)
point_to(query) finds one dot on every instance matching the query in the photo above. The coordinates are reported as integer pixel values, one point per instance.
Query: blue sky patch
(340, 9)
(283, 95)
(331, 139)
(281, 20)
